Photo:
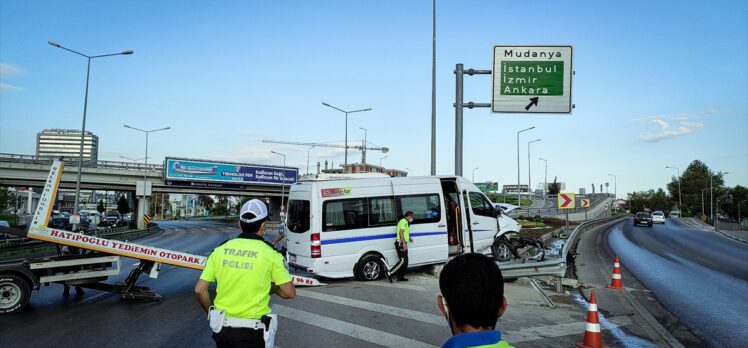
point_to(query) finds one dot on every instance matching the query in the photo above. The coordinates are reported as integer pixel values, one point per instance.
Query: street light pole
(679, 195)
(474, 169)
(518, 186)
(615, 187)
(380, 160)
(307, 158)
(363, 150)
(85, 109)
(346, 126)
(283, 186)
(711, 195)
(529, 180)
(545, 182)
(145, 170)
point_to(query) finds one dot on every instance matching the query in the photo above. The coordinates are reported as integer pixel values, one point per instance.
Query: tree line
(701, 190)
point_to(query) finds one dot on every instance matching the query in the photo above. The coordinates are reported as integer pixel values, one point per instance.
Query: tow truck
(100, 261)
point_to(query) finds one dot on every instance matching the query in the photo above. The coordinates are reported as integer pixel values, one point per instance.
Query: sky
(656, 84)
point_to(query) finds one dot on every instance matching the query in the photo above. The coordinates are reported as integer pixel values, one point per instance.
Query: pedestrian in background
(247, 270)
(472, 300)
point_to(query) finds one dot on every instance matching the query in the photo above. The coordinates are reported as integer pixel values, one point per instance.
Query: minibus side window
(426, 208)
(344, 214)
(382, 211)
(298, 216)
(481, 205)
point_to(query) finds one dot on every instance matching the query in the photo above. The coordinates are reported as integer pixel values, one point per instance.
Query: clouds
(671, 126)
(9, 70)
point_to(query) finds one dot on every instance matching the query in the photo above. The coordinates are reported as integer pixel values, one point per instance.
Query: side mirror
(498, 212)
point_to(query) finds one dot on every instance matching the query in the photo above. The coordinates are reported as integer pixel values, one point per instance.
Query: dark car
(60, 222)
(643, 218)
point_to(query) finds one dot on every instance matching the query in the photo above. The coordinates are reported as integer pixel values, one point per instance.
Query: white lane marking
(374, 307)
(558, 330)
(205, 229)
(399, 286)
(357, 331)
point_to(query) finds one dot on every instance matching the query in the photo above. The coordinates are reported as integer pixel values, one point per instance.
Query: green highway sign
(532, 79)
(488, 186)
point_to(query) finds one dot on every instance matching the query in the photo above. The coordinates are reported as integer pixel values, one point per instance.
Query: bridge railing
(32, 159)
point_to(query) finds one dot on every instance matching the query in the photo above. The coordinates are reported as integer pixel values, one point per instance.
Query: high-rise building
(66, 143)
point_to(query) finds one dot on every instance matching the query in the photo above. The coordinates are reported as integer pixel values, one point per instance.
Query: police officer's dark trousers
(231, 337)
(402, 265)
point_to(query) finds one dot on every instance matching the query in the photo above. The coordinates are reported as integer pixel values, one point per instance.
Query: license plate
(292, 257)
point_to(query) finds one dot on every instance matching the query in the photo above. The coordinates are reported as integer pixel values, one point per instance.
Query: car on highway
(643, 218)
(60, 222)
(658, 217)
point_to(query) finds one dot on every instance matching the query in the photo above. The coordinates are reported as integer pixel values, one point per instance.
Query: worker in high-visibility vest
(248, 270)
(472, 300)
(402, 239)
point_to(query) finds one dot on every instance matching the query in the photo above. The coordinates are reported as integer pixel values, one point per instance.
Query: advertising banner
(177, 169)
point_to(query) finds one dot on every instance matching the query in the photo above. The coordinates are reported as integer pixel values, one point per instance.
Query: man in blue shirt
(472, 300)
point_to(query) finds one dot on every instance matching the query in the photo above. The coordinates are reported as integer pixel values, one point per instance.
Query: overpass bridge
(27, 170)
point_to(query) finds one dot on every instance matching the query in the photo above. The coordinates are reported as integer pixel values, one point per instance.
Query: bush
(537, 218)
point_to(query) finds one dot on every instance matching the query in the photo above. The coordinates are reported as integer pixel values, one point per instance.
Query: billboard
(515, 188)
(488, 186)
(178, 169)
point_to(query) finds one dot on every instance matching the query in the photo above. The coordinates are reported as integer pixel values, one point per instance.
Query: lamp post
(739, 224)
(711, 195)
(346, 125)
(703, 209)
(307, 158)
(679, 195)
(283, 187)
(147, 132)
(363, 149)
(615, 191)
(615, 187)
(529, 180)
(545, 182)
(85, 109)
(714, 223)
(518, 190)
(145, 170)
(474, 169)
(380, 160)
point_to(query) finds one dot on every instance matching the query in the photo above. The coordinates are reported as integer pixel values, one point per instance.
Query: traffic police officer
(247, 270)
(401, 245)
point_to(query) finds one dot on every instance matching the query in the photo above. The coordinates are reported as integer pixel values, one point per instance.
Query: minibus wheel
(370, 267)
(502, 250)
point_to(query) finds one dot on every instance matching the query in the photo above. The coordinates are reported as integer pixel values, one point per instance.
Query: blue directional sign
(178, 169)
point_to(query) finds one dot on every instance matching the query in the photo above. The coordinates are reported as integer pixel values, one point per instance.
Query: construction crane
(357, 147)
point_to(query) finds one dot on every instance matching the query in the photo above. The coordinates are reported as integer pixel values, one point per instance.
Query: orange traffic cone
(592, 336)
(616, 283)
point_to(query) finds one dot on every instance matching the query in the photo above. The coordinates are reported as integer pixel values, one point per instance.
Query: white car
(658, 217)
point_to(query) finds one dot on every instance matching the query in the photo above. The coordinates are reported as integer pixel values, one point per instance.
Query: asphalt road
(343, 313)
(700, 277)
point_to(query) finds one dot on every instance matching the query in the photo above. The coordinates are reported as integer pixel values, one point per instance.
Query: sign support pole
(459, 77)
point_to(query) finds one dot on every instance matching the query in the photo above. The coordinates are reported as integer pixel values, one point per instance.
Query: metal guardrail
(556, 267)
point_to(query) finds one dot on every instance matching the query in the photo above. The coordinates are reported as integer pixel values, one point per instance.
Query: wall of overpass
(115, 179)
